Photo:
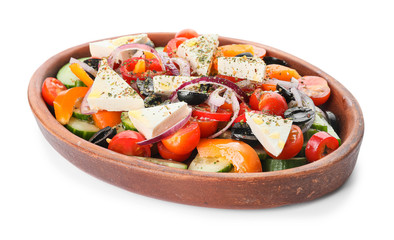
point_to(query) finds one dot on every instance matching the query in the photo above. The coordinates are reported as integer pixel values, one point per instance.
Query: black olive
(299, 115)
(332, 120)
(241, 131)
(145, 86)
(246, 54)
(93, 62)
(100, 137)
(152, 100)
(285, 93)
(192, 98)
(273, 60)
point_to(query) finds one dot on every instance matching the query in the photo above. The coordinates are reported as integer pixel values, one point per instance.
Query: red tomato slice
(293, 145)
(167, 154)
(316, 88)
(184, 140)
(186, 33)
(172, 46)
(255, 99)
(207, 127)
(126, 143)
(51, 88)
(204, 111)
(319, 145)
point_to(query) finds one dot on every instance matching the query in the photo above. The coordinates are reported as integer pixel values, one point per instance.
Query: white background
(43, 196)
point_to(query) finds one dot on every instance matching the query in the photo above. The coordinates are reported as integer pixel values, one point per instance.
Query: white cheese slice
(199, 52)
(153, 121)
(110, 92)
(242, 67)
(271, 131)
(165, 85)
(104, 48)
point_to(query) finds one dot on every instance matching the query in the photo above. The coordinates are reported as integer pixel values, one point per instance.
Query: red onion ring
(84, 66)
(213, 80)
(85, 108)
(133, 46)
(167, 61)
(215, 100)
(236, 108)
(168, 132)
(184, 66)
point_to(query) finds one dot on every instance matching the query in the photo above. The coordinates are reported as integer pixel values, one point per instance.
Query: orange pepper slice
(105, 118)
(81, 74)
(65, 101)
(139, 66)
(242, 156)
(281, 72)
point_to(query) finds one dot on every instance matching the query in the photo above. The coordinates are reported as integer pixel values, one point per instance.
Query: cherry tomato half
(167, 154)
(293, 144)
(51, 88)
(272, 103)
(316, 88)
(184, 140)
(207, 127)
(186, 33)
(319, 145)
(152, 68)
(172, 46)
(255, 99)
(126, 143)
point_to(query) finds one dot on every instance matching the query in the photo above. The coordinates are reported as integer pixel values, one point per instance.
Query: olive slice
(192, 98)
(93, 62)
(332, 120)
(241, 131)
(285, 93)
(299, 115)
(246, 54)
(100, 137)
(145, 86)
(152, 100)
(273, 60)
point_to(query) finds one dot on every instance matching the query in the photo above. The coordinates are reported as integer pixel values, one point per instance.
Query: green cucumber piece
(68, 78)
(159, 49)
(270, 164)
(210, 164)
(321, 124)
(168, 163)
(81, 128)
(77, 114)
(126, 122)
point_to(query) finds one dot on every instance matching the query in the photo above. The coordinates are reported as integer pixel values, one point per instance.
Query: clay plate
(219, 190)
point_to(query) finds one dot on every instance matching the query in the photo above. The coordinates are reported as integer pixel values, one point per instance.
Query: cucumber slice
(159, 49)
(210, 164)
(164, 162)
(77, 114)
(321, 124)
(126, 122)
(82, 128)
(68, 78)
(278, 164)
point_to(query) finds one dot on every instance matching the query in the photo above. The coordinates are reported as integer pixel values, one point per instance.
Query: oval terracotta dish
(219, 190)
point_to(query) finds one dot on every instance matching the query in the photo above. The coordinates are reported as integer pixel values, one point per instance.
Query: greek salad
(194, 104)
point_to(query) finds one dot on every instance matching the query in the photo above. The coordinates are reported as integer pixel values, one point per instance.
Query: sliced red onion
(184, 66)
(169, 64)
(307, 101)
(236, 108)
(168, 132)
(215, 100)
(133, 46)
(297, 96)
(84, 66)
(85, 108)
(243, 83)
(285, 84)
(213, 80)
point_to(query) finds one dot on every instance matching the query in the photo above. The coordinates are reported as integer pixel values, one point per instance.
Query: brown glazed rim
(351, 139)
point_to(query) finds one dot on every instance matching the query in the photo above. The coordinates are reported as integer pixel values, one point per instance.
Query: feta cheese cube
(110, 92)
(165, 85)
(153, 121)
(242, 67)
(271, 131)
